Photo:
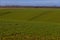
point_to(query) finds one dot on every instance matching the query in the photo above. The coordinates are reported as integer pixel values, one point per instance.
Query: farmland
(39, 23)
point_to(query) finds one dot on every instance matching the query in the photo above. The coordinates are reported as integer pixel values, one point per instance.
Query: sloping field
(42, 24)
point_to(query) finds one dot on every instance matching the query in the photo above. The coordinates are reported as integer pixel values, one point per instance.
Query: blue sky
(31, 2)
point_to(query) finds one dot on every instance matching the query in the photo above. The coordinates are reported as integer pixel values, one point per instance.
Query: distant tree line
(29, 6)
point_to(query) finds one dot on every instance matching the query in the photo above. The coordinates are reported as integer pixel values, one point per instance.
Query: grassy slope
(39, 21)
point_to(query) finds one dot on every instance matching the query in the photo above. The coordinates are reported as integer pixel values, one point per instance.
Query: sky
(31, 2)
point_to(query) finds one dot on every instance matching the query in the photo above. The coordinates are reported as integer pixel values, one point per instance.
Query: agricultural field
(29, 23)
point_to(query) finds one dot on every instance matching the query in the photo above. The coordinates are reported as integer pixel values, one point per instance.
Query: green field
(44, 22)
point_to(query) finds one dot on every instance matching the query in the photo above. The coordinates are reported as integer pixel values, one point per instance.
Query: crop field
(29, 23)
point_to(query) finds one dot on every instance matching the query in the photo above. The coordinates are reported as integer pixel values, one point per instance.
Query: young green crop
(42, 21)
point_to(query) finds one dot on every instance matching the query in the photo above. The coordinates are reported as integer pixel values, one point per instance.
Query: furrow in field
(24, 21)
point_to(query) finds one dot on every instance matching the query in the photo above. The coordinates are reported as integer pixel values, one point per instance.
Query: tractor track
(4, 13)
(39, 15)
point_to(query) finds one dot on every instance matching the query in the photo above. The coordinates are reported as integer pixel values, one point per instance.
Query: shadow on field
(4, 13)
(41, 14)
